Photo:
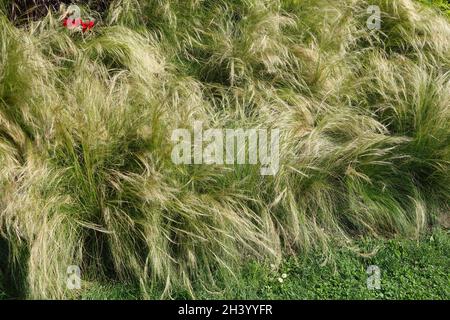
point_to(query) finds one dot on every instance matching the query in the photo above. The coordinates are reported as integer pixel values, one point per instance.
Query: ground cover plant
(409, 269)
(86, 175)
(442, 5)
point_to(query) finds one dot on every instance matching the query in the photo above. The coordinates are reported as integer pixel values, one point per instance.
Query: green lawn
(443, 5)
(409, 270)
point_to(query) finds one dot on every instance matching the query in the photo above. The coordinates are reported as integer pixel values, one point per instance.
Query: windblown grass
(86, 176)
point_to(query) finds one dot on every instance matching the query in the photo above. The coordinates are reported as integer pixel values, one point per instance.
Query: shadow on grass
(410, 269)
(12, 274)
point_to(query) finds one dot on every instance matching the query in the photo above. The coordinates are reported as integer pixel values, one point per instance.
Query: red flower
(88, 25)
(83, 26)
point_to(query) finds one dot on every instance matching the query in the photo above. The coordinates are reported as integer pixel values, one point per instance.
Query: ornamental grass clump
(86, 175)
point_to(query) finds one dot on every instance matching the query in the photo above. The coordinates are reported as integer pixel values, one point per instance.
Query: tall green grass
(86, 176)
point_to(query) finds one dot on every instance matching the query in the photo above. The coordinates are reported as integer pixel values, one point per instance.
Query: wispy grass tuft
(86, 176)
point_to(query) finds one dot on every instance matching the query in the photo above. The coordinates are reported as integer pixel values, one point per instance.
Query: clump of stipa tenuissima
(86, 176)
